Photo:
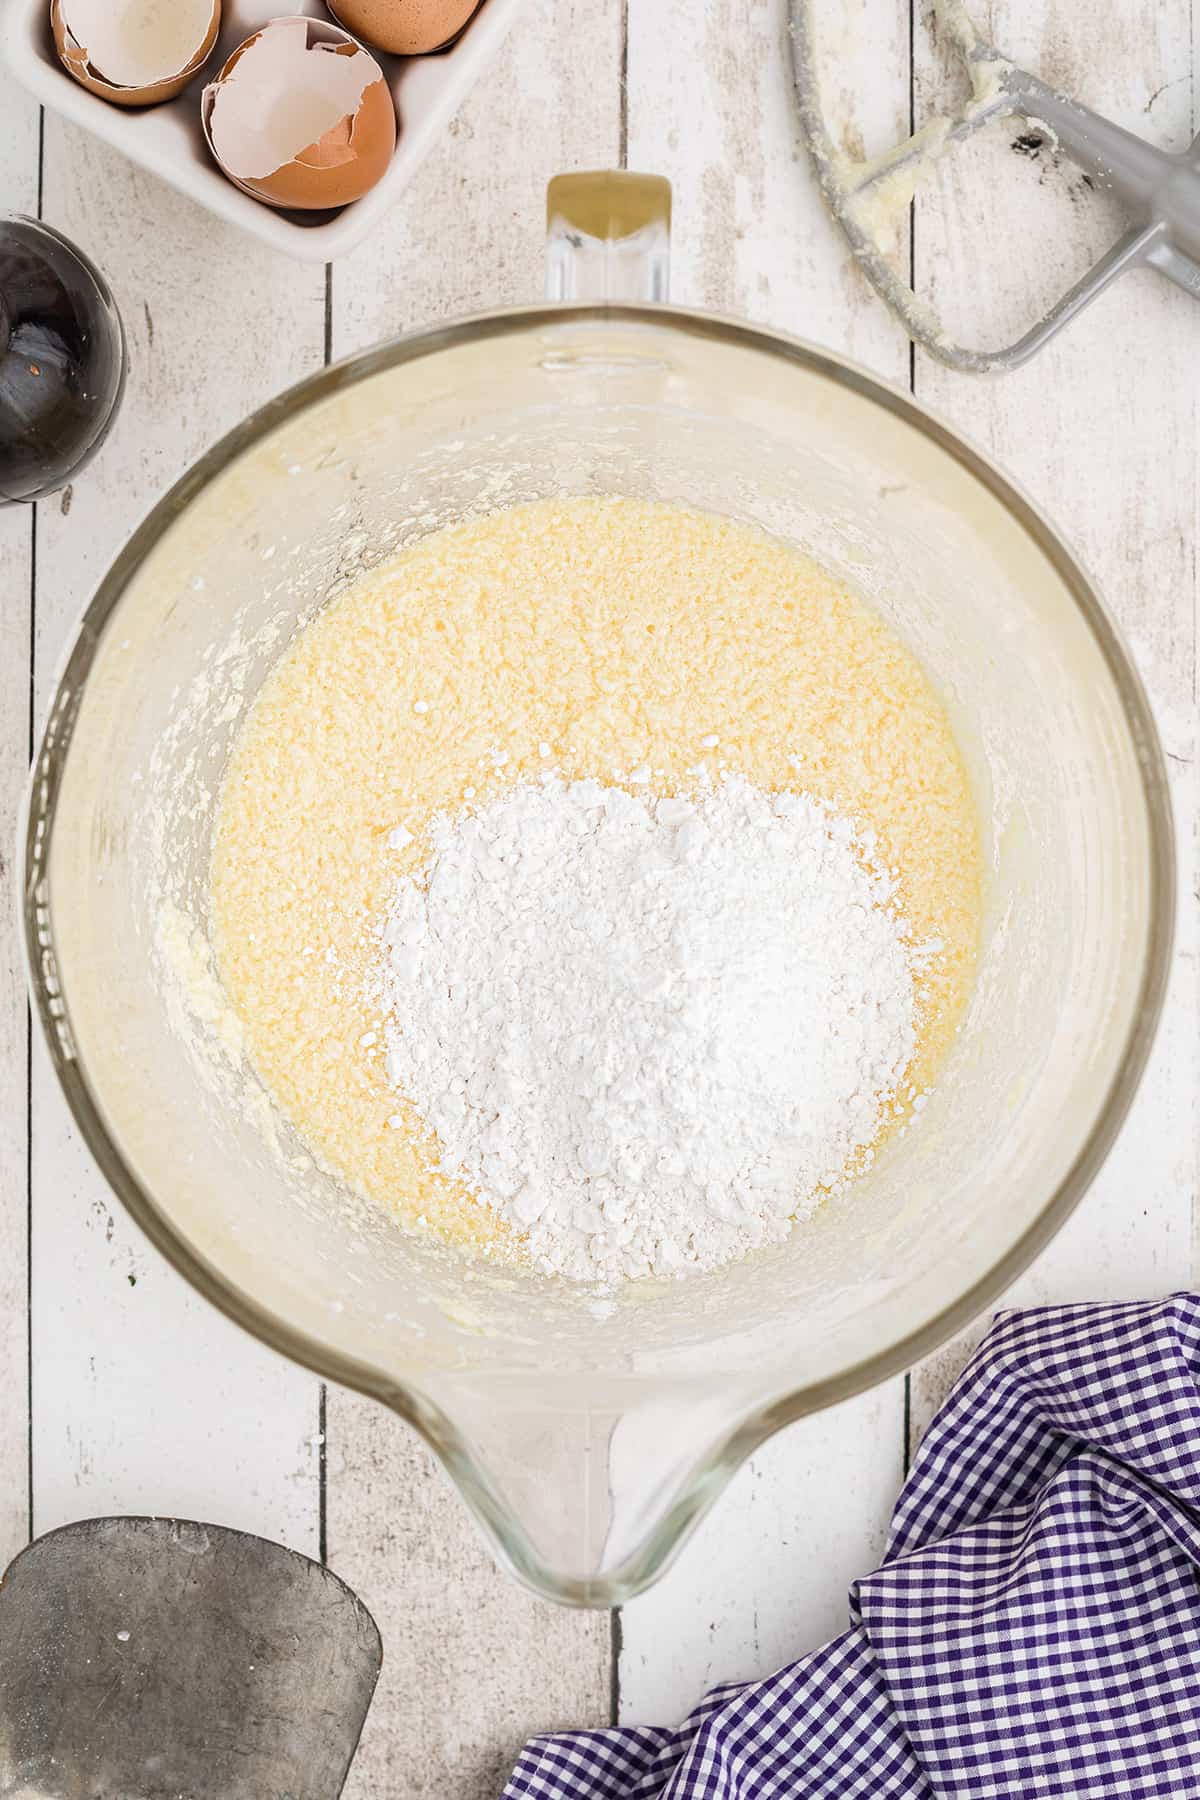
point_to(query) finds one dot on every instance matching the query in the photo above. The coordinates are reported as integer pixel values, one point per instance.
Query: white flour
(648, 1033)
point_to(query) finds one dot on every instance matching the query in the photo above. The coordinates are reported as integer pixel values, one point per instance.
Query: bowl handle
(608, 237)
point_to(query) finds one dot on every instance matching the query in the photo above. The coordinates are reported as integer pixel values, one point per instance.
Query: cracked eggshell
(300, 116)
(134, 52)
(405, 27)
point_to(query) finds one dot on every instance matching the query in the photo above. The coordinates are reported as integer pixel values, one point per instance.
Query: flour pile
(649, 1033)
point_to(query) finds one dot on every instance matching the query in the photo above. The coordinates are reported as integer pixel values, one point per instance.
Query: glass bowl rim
(710, 1474)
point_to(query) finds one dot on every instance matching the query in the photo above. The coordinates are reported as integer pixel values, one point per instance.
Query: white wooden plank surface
(157, 1404)
(766, 1575)
(18, 193)
(143, 1397)
(711, 107)
(473, 1663)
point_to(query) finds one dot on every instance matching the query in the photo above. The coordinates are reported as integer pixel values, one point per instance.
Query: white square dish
(168, 139)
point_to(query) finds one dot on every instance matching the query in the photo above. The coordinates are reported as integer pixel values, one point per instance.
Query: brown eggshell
(339, 166)
(404, 27)
(344, 163)
(74, 58)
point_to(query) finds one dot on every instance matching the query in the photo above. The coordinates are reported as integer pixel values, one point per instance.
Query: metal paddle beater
(1158, 189)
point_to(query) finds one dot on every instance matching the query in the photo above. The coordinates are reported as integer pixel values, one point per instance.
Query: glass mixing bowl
(589, 1437)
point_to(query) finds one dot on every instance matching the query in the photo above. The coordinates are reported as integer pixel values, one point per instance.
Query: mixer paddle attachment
(1159, 190)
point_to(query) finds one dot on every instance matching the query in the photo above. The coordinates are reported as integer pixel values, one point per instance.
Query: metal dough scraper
(1158, 190)
(157, 1659)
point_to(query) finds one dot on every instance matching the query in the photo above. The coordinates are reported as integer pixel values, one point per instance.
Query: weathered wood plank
(144, 1397)
(766, 1576)
(711, 107)
(18, 193)
(1102, 428)
(473, 1664)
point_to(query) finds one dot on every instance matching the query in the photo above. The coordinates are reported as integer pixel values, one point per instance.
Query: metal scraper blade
(159, 1659)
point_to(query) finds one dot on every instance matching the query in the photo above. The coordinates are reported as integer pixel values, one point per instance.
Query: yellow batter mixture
(596, 636)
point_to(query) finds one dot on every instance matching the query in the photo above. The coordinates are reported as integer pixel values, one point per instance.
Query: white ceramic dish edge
(168, 140)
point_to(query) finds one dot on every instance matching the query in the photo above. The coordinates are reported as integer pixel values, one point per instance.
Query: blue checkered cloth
(1034, 1630)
